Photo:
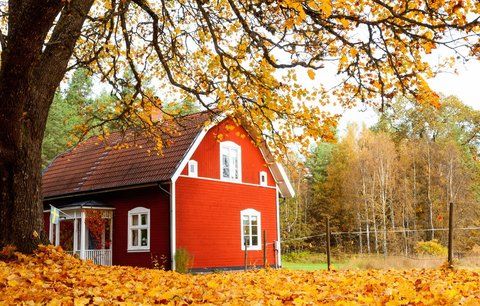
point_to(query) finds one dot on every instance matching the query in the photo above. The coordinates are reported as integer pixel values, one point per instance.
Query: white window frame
(194, 172)
(138, 211)
(263, 178)
(251, 213)
(229, 145)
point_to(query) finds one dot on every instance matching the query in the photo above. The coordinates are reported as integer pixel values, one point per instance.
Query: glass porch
(85, 233)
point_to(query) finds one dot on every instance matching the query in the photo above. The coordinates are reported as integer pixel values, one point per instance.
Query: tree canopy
(225, 54)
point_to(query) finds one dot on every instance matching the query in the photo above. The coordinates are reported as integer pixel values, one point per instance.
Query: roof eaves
(105, 190)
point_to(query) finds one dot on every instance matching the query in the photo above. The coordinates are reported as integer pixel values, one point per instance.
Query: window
(192, 168)
(230, 161)
(139, 229)
(263, 178)
(251, 229)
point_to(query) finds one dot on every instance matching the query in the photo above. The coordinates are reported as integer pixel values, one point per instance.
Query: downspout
(279, 236)
(173, 224)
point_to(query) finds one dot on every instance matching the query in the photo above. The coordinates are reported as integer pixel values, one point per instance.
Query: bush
(159, 262)
(183, 260)
(432, 247)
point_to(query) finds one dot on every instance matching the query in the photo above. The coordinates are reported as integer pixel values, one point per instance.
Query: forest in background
(387, 187)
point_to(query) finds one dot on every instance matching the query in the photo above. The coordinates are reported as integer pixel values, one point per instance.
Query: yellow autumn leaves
(54, 278)
(321, 6)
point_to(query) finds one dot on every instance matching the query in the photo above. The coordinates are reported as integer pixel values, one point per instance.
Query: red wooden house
(210, 192)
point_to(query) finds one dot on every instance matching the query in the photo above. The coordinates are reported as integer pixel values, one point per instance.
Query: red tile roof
(95, 165)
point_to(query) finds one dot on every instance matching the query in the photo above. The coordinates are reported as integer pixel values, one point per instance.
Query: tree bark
(29, 76)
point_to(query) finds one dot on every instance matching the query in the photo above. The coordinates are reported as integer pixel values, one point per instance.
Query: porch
(85, 232)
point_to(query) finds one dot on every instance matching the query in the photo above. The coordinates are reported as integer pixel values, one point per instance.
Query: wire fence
(395, 248)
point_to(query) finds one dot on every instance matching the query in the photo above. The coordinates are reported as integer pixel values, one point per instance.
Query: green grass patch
(309, 266)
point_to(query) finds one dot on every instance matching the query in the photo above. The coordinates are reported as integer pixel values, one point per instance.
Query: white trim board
(225, 181)
(198, 139)
(82, 207)
(173, 225)
(279, 235)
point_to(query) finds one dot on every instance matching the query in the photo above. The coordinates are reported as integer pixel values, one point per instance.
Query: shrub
(183, 260)
(432, 247)
(159, 263)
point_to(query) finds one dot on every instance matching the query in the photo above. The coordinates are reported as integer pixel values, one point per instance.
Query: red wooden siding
(208, 154)
(208, 221)
(159, 205)
(208, 211)
(46, 222)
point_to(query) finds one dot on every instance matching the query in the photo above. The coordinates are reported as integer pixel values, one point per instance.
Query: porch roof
(78, 204)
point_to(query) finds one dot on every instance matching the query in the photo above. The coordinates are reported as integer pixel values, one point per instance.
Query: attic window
(263, 178)
(192, 168)
(230, 161)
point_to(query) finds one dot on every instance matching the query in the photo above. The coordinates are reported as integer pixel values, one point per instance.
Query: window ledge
(138, 250)
(254, 248)
(231, 180)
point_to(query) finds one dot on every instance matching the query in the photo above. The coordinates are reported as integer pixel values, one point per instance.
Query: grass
(313, 261)
(310, 266)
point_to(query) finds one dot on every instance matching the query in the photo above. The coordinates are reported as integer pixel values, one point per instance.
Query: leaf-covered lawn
(52, 277)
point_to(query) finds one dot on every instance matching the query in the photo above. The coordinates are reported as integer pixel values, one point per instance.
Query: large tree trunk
(20, 161)
(29, 76)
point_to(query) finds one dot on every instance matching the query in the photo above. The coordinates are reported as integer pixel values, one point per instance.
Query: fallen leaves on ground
(53, 277)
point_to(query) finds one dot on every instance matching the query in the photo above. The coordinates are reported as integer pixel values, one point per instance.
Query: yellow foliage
(242, 59)
(432, 247)
(69, 281)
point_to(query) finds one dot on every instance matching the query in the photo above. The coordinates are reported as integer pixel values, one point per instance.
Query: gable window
(230, 161)
(139, 229)
(263, 178)
(251, 229)
(192, 168)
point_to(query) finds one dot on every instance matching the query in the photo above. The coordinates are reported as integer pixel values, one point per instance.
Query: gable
(227, 130)
(207, 154)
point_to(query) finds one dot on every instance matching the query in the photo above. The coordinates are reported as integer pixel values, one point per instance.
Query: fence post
(450, 235)
(328, 243)
(245, 257)
(264, 248)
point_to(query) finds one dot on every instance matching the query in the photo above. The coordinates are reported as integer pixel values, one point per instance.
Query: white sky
(463, 83)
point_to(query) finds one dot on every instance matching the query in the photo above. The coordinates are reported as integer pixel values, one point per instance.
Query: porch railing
(99, 257)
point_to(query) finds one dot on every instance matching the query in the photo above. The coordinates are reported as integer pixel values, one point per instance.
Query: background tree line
(68, 120)
(390, 185)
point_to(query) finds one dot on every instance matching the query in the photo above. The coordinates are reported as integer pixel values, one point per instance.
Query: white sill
(255, 248)
(138, 250)
(231, 180)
